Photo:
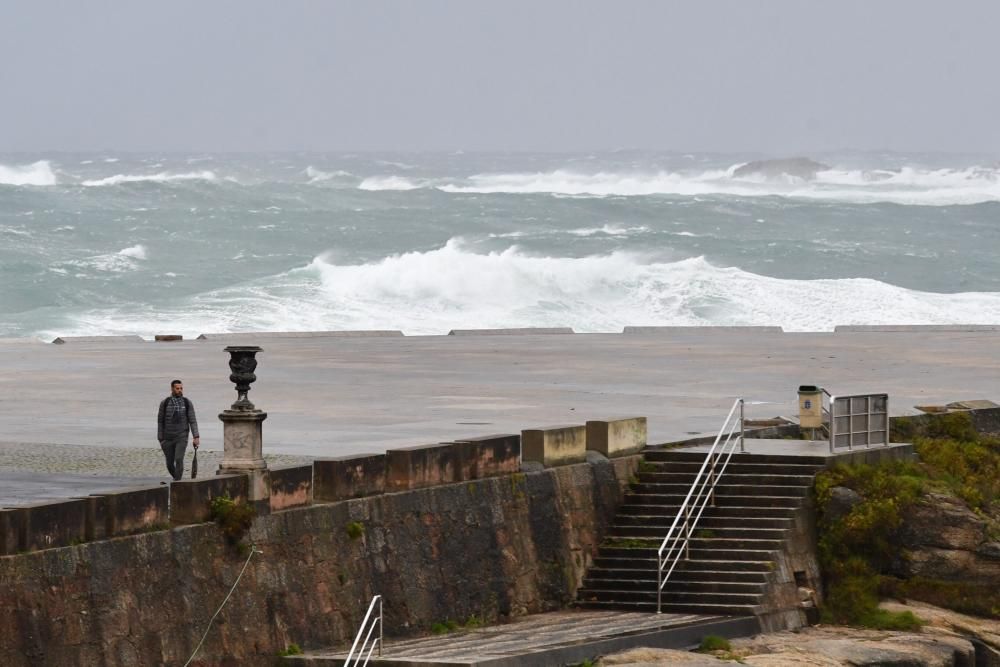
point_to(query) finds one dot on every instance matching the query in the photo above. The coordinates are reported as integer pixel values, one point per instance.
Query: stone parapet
(127, 511)
(51, 524)
(554, 445)
(617, 437)
(291, 486)
(424, 465)
(488, 456)
(346, 477)
(496, 548)
(190, 499)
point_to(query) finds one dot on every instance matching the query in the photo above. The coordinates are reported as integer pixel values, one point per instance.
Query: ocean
(94, 244)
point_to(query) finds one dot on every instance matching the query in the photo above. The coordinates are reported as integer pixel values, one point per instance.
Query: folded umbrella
(194, 464)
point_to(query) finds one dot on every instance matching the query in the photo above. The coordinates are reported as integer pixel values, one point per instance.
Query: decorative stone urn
(242, 428)
(242, 363)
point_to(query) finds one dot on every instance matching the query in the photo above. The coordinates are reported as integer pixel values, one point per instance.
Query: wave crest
(376, 183)
(162, 177)
(908, 186)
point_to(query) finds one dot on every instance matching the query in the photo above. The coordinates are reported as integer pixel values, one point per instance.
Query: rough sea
(199, 243)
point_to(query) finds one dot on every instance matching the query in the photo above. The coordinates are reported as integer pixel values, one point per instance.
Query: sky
(778, 76)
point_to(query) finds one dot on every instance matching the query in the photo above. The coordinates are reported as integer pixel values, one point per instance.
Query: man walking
(175, 418)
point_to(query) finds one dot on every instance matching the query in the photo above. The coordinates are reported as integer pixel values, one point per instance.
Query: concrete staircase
(733, 552)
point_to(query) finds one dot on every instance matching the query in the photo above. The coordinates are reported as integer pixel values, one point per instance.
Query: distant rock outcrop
(795, 167)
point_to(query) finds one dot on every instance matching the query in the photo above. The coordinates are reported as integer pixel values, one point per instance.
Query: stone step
(728, 477)
(707, 521)
(674, 607)
(681, 597)
(680, 574)
(695, 553)
(724, 487)
(674, 585)
(721, 499)
(627, 531)
(720, 512)
(708, 564)
(692, 467)
(680, 455)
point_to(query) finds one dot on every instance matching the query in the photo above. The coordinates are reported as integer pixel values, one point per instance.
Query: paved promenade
(330, 396)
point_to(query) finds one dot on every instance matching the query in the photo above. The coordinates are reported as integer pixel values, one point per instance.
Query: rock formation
(796, 167)
(943, 539)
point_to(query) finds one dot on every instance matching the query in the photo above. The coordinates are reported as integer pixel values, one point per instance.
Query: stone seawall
(489, 548)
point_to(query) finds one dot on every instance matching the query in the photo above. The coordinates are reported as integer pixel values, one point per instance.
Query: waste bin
(810, 406)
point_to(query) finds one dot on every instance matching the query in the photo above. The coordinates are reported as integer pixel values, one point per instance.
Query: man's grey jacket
(175, 417)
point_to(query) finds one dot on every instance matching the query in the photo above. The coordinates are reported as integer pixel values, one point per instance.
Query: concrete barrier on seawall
(698, 329)
(914, 328)
(421, 466)
(127, 511)
(190, 499)
(524, 331)
(345, 477)
(554, 445)
(488, 456)
(243, 337)
(98, 339)
(10, 532)
(291, 486)
(52, 524)
(617, 437)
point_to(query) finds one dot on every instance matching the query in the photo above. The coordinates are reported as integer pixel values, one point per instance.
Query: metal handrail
(675, 544)
(369, 623)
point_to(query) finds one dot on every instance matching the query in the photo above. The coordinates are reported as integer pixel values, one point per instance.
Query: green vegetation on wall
(234, 519)
(857, 548)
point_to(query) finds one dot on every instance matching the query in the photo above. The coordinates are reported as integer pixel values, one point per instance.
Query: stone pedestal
(243, 442)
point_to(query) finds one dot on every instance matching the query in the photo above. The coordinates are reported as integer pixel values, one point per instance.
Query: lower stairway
(733, 550)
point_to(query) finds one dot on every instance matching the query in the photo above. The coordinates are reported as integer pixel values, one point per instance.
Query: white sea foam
(937, 187)
(609, 230)
(318, 176)
(126, 259)
(37, 173)
(162, 177)
(452, 287)
(389, 183)
(135, 252)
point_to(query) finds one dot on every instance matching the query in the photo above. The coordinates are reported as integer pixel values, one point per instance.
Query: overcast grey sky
(778, 76)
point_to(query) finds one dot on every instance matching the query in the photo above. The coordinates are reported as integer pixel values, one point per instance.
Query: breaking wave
(38, 173)
(376, 183)
(452, 287)
(162, 177)
(908, 186)
(318, 175)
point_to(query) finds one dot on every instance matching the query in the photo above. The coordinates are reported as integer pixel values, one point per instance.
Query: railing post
(687, 533)
(742, 430)
(888, 435)
(833, 423)
(659, 582)
(711, 483)
(380, 625)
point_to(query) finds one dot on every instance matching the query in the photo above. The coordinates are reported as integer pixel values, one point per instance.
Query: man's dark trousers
(173, 450)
